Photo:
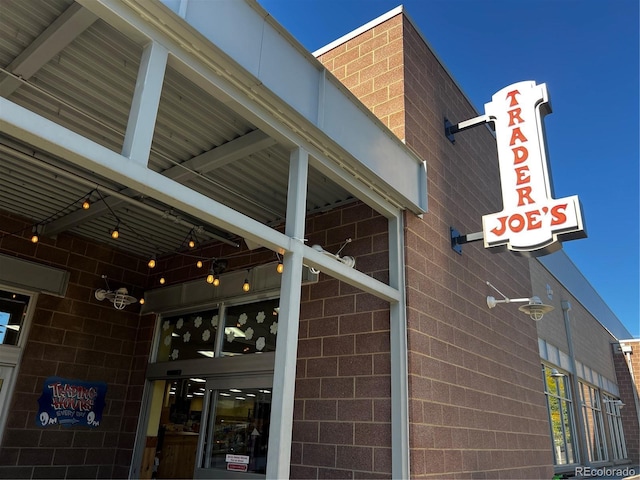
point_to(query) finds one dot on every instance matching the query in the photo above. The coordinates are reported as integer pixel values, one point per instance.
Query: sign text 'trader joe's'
(531, 221)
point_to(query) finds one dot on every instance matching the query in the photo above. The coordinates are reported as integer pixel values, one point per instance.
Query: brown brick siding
(371, 66)
(627, 383)
(77, 337)
(476, 402)
(342, 410)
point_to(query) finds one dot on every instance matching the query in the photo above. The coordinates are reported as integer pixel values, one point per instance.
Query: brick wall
(77, 337)
(627, 384)
(371, 66)
(476, 397)
(342, 410)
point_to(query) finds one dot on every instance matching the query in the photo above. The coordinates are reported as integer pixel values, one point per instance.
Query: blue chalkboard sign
(71, 403)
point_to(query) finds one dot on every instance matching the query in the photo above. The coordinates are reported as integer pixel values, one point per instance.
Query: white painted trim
(145, 103)
(400, 451)
(354, 33)
(284, 372)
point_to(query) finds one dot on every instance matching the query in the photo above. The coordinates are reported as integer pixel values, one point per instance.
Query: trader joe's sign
(71, 402)
(531, 222)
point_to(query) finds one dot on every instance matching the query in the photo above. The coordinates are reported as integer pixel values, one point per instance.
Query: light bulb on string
(34, 235)
(212, 277)
(152, 262)
(246, 286)
(162, 280)
(115, 233)
(86, 204)
(192, 243)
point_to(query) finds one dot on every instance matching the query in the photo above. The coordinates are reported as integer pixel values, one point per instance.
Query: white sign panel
(230, 458)
(532, 222)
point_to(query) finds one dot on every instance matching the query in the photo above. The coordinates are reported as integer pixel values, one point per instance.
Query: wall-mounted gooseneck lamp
(555, 373)
(534, 308)
(346, 259)
(120, 297)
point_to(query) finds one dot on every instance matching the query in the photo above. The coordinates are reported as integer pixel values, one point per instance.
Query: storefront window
(618, 445)
(251, 328)
(13, 308)
(561, 418)
(184, 337)
(593, 424)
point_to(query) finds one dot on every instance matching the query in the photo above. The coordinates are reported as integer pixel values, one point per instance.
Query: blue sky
(586, 51)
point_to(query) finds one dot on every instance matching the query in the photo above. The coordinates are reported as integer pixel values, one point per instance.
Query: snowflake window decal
(274, 328)
(174, 354)
(230, 337)
(166, 325)
(214, 321)
(248, 334)
(260, 343)
(186, 337)
(179, 323)
(198, 321)
(242, 319)
(167, 340)
(260, 317)
(205, 335)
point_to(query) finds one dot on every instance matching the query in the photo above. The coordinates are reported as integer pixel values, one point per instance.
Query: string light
(246, 286)
(152, 262)
(280, 266)
(199, 264)
(34, 235)
(192, 243)
(86, 204)
(115, 233)
(213, 278)
(162, 281)
(142, 301)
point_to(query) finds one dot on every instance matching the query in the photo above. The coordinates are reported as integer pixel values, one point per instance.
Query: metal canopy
(62, 62)
(79, 89)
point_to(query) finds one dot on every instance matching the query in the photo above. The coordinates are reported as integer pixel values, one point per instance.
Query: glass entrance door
(237, 432)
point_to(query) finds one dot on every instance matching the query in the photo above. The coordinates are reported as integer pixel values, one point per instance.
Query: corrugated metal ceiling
(87, 86)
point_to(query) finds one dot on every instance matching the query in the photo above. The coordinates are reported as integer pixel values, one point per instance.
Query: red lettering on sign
(558, 215)
(517, 134)
(520, 154)
(533, 221)
(514, 115)
(522, 175)
(516, 223)
(499, 231)
(512, 94)
(524, 193)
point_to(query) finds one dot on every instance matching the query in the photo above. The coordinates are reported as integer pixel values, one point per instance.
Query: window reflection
(561, 419)
(251, 328)
(239, 435)
(13, 308)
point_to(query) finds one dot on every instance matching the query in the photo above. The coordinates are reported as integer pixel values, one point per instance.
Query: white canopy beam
(240, 147)
(284, 372)
(57, 140)
(146, 100)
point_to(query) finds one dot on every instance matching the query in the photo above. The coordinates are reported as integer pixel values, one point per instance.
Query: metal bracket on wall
(450, 129)
(457, 240)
